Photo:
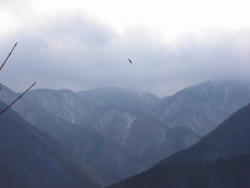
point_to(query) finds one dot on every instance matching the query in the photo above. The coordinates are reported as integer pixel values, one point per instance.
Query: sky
(82, 44)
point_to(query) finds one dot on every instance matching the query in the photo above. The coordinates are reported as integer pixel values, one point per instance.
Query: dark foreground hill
(230, 138)
(220, 159)
(31, 158)
(230, 172)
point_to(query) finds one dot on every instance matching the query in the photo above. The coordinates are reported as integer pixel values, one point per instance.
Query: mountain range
(111, 160)
(143, 135)
(129, 158)
(74, 106)
(120, 132)
(204, 106)
(220, 159)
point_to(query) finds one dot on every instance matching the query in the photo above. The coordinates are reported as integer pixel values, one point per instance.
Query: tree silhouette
(23, 92)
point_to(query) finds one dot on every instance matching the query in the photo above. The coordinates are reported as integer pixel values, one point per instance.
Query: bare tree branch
(8, 56)
(17, 99)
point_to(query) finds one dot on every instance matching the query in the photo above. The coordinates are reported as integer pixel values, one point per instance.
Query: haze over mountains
(204, 106)
(141, 134)
(95, 148)
(32, 158)
(121, 132)
(220, 159)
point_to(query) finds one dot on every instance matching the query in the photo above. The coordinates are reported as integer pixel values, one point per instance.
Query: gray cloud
(75, 51)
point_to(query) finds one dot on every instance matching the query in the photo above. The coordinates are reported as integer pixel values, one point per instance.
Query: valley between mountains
(98, 137)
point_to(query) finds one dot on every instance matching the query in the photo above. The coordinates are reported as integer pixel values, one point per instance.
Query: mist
(77, 51)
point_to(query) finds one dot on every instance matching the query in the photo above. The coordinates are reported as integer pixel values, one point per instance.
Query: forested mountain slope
(139, 133)
(111, 160)
(30, 157)
(219, 159)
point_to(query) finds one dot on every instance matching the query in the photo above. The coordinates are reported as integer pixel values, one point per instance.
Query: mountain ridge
(236, 126)
(201, 114)
(219, 159)
(42, 160)
(137, 132)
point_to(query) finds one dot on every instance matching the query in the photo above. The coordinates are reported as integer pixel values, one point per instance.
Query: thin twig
(8, 56)
(17, 98)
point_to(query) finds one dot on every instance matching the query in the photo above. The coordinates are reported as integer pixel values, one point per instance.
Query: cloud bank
(73, 50)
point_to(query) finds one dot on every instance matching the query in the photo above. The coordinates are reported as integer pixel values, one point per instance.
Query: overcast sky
(80, 44)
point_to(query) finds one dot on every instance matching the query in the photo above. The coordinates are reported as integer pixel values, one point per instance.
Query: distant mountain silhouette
(204, 106)
(200, 108)
(63, 103)
(130, 99)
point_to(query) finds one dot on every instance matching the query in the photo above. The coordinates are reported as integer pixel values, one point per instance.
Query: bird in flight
(130, 61)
